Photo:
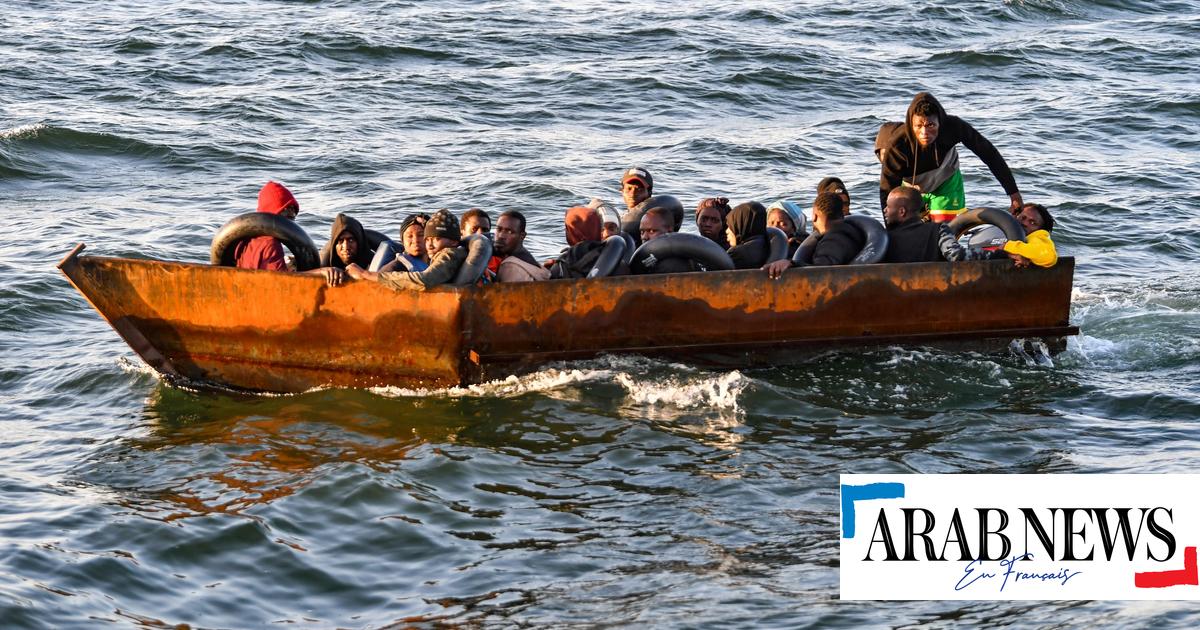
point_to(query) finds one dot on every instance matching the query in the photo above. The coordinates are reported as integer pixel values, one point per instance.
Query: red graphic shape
(1162, 579)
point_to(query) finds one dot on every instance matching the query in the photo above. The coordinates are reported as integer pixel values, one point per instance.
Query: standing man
(922, 153)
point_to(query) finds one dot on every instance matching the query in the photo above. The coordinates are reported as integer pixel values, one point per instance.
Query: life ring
(630, 246)
(611, 255)
(631, 222)
(876, 246)
(778, 241)
(253, 224)
(1012, 228)
(385, 253)
(804, 253)
(680, 245)
(479, 252)
(872, 251)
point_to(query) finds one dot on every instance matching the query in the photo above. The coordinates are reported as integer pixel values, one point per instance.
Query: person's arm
(962, 131)
(1038, 249)
(949, 246)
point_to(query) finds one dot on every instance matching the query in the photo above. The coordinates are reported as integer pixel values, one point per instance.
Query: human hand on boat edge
(333, 276)
(775, 269)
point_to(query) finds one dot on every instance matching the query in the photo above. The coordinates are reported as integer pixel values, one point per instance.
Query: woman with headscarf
(787, 217)
(746, 232)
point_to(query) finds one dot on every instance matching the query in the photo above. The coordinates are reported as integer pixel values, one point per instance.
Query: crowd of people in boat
(920, 187)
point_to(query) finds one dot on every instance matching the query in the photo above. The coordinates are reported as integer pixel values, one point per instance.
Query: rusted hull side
(273, 332)
(286, 332)
(743, 313)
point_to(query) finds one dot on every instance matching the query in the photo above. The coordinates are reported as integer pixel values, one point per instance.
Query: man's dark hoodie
(341, 223)
(903, 159)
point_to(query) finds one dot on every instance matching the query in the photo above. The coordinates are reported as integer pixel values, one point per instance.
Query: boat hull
(268, 331)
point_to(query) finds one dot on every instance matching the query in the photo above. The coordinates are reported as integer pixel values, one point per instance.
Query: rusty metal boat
(265, 331)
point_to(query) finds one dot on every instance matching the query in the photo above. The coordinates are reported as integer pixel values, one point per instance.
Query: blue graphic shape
(850, 494)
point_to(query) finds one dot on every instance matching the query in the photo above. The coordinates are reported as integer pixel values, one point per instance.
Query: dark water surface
(618, 491)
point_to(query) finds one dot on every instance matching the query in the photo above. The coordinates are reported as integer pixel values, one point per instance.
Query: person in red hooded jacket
(266, 252)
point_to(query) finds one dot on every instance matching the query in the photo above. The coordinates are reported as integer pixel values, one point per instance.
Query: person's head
(710, 218)
(904, 204)
(636, 185)
(835, 186)
(826, 211)
(582, 224)
(746, 221)
(510, 233)
(273, 198)
(412, 234)
(475, 221)
(1034, 217)
(610, 222)
(441, 232)
(778, 218)
(346, 246)
(925, 117)
(655, 223)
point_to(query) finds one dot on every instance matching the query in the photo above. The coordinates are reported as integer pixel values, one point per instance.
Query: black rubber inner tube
(679, 245)
(631, 221)
(778, 241)
(253, 224)
(872, 252)
(1009, 224)
(630, 246)
(611, 255)
(876, 246)
(479, 252)
(804, 253)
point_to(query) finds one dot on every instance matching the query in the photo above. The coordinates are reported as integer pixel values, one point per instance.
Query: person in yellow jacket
(1037, 248)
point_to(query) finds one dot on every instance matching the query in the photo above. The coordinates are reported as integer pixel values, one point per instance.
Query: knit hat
(443, 224)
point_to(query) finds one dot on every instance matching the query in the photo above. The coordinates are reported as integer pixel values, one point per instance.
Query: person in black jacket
(912, 240)
(746, 232)
(921, 152)
(838, 241)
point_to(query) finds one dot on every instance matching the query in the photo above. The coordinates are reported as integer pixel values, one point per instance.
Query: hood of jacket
(747, 221)
(273, 198)
(342, 223)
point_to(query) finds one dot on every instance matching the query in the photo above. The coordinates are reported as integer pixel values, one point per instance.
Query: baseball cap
(640, 174)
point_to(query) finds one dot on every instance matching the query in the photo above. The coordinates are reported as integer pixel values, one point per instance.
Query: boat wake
(645, 382)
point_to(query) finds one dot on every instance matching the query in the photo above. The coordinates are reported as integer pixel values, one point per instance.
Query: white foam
(720, 391)
(22, 131)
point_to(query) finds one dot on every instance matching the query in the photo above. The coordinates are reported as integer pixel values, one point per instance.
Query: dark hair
(925, 108)
(1047, 220)
(472, 213)
(831, 184)
(515, 214)
(829, 205)
(720, 204)
(912, 196)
